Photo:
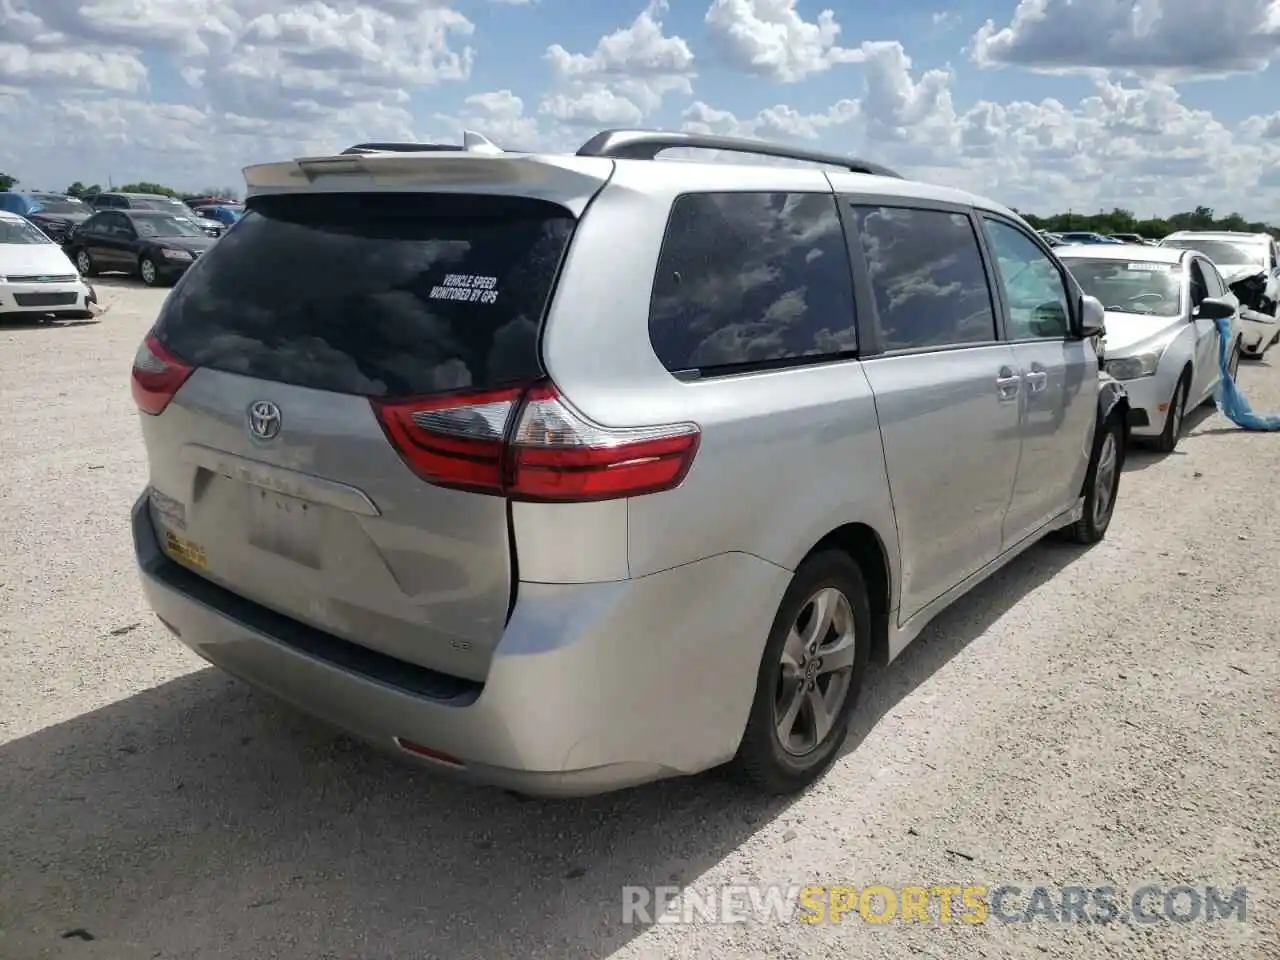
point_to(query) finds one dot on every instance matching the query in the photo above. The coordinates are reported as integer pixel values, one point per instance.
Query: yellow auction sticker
(185, 550)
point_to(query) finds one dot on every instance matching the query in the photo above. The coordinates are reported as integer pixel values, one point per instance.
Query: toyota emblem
(264, 420)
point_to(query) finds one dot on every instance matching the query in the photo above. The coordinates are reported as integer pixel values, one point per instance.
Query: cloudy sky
(1156, 105)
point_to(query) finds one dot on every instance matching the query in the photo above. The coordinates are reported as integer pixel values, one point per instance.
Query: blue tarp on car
(1231, 402)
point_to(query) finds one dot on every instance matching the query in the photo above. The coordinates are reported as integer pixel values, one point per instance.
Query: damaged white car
(1161, 338)
(1250, 264)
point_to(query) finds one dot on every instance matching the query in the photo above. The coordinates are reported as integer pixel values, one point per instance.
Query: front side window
(120, 225)
(927, 277)
(751, 279)
(1199, 287)
(1143, 287)
(1035, 293)
(1214, 279)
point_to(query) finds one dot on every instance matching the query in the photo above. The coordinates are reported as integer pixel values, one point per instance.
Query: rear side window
(927, 277)
(750, 280)
(374, 294)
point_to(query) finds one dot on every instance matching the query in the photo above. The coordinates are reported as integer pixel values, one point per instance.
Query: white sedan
(1161, 338)
(36, 278)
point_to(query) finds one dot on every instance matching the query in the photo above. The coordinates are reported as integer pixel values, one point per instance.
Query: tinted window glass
(379, 295)
(1216, 287)
(927, 277)
(1035, 292)
(1199, 288)
(751, 278)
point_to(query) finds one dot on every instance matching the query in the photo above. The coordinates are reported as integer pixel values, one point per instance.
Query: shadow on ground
(200, 819)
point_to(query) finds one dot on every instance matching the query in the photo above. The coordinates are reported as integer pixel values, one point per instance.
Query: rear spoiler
(568, 181)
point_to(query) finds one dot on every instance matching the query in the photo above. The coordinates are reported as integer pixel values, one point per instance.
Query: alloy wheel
(817, 667)
(1104, 483)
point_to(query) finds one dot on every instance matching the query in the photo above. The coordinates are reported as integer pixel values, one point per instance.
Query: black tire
(1167, 442)
(1233, 361)
(85, 264)
(762, 760)
(145, 262)
(1092, 525)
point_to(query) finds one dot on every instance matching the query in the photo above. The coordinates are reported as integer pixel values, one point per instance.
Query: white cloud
(593, 108)
(771, 39)
(1133, 145)
(271, 78)
(638, 62)
(1166, 38)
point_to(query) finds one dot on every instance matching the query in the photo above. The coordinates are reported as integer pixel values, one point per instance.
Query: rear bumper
(594, 687)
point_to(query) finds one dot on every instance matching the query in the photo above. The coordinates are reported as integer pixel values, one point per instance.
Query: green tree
(1120, 220)
(8, 181)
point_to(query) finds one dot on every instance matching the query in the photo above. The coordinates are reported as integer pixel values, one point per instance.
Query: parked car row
(1088, 236)
(58, 214)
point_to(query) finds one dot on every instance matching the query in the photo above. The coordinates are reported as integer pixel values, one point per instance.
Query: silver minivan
(570, 472)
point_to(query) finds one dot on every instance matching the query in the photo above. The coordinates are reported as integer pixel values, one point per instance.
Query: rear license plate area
(285, 526)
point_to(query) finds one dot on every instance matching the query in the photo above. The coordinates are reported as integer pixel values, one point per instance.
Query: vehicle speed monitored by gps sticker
(467, 288)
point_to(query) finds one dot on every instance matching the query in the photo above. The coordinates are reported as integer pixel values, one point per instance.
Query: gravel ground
(1108, 716)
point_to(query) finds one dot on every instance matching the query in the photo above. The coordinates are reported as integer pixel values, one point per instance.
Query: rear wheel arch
(866, 548)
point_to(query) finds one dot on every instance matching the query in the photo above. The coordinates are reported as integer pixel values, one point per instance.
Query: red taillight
(453, 441)
(157, 375)
(529, 444)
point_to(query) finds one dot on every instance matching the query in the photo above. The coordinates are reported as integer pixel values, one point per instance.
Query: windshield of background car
(61, 206)
(166, 227)
(21, 231)
(374, 294)
(1140, 287)
(1225, 253)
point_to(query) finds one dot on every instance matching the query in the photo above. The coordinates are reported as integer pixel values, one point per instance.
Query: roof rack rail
(647, 144)
(472, 142)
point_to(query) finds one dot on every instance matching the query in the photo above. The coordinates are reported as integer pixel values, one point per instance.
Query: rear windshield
(1225, 253)
(374, 294)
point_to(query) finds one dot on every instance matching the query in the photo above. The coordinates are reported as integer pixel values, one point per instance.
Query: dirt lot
(1087, 718)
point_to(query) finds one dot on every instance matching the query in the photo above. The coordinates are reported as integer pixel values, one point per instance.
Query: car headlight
(1132, 368)
(171, 254)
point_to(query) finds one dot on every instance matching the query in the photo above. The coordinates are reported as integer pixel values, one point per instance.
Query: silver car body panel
(575, 647)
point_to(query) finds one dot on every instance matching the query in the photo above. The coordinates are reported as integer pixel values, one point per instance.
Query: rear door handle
(1008, 384)
(1037, 378)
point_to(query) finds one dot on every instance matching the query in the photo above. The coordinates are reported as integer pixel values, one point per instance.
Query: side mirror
(1214, 308)
(1090, 318)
